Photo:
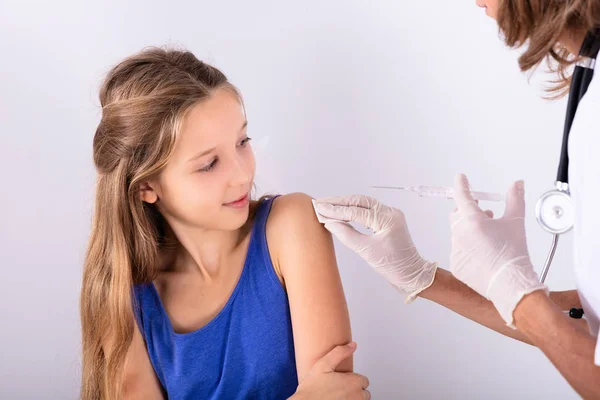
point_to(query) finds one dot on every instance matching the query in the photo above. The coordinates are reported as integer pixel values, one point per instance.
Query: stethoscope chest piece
(555, 212)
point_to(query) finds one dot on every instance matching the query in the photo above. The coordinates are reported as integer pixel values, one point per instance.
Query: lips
(240, 202)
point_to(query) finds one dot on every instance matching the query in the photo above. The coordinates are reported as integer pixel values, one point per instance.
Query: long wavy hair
(144, 100)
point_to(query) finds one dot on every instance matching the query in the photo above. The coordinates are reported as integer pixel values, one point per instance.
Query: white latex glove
(490, 255)
(389, 250)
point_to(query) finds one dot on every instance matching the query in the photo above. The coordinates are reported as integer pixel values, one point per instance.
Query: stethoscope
(554, 210)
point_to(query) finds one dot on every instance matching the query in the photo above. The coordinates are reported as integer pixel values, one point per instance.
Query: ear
(147, 193)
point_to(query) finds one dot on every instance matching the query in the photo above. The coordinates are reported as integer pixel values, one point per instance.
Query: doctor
(491, 279)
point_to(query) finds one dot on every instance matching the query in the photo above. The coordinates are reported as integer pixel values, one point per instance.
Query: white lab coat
(584, 182)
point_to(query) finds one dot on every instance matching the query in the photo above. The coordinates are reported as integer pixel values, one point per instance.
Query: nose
(240, 172)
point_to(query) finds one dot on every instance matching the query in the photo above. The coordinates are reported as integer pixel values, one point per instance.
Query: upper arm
(302, 249)
(139, 379)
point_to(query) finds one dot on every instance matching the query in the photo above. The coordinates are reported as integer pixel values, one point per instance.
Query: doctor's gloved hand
(389, 250)
(490, 255)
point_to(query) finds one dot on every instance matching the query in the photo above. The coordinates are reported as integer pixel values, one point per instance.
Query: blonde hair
(540, 24)
(144, 100)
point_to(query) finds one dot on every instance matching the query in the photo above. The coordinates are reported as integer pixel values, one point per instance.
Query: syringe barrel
(441, 191)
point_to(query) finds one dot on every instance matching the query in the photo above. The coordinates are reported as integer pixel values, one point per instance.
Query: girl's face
(207, 182)
(491, 7)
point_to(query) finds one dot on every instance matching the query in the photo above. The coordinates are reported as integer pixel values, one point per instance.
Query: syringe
(440, 191)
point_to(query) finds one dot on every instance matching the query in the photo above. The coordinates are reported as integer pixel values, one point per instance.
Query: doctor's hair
(144, 100)
(539, 24)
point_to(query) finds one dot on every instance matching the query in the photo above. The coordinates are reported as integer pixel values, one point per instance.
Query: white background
(340, 95)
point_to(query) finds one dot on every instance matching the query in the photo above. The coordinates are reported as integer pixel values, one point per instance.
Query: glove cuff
(427, 277)
(509, 287)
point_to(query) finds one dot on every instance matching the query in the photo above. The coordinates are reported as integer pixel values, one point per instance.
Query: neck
(205, 251)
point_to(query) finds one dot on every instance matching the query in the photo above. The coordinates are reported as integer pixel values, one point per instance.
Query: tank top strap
(259, 256)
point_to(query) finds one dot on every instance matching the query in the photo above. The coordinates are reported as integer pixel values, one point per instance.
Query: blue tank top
(245, 352)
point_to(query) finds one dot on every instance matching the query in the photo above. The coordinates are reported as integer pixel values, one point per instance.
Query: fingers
(515, 201)
(346, 234)
(362, 381)
(331, 360)
(457, 218)
(489, 213)
(462, 196)
(357, 386)
(353, 200)
(364, 216)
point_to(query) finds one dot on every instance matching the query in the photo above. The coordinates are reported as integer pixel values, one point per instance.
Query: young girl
(191, 290)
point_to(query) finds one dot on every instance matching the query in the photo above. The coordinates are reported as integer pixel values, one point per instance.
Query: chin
(235, 219)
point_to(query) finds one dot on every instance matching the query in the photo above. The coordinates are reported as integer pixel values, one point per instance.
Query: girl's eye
(213, 163)
(209, 167)
(244, 142)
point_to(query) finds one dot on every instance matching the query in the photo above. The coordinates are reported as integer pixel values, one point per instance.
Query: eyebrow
(205, 152)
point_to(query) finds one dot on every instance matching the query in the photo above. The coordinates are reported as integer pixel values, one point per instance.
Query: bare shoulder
(293, 207)
(293, 226)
